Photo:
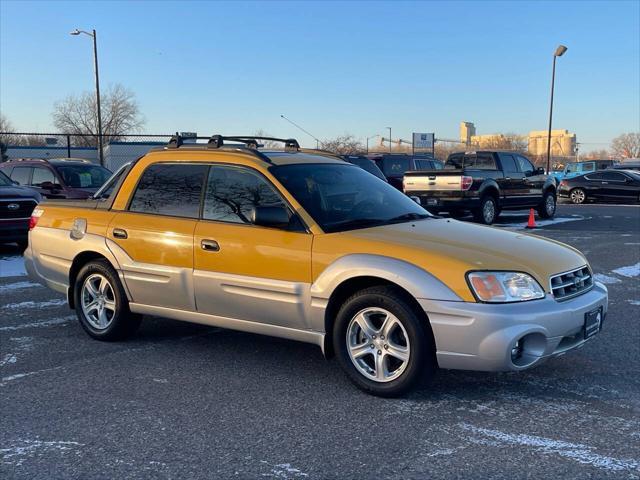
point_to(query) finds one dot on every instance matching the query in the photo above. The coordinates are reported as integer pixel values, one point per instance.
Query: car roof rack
(249, 141)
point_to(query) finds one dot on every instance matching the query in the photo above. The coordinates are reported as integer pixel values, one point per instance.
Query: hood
(17, 191)
(449, 248)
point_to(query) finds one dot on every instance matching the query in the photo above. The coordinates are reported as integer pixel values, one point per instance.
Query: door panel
(158, 270)
(512, 184)
(256, 274)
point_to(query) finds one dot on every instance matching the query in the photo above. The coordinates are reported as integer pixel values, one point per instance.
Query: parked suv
(16, 205)
(485, 183)
(576, 169)
(302, 245)
(72, 178)
(366, 164)
(394, 165)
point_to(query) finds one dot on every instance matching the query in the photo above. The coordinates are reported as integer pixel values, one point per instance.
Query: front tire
(487, 212)
(547, 209)
(101, 303)
(578, 196)
(383, 345)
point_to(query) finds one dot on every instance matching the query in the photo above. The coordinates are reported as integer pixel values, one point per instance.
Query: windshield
(83, 176)
(345, 197)
(107, 188)
(5, 181)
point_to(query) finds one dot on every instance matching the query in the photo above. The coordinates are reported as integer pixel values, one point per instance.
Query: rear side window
(395, 166)
(613, 177)
(232, 192)
(588, 167)
(21, 175)
(170, 189)
(41, 175)
(508, 163)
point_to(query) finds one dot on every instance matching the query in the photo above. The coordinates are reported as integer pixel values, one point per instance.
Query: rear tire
(101, 303)
(386, 366)
(547, 209)
(578, 196)
(487, 212)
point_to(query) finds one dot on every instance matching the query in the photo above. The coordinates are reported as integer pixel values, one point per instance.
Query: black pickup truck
(483, 182)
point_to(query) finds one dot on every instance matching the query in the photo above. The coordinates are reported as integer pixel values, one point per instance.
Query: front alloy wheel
(378, 344)
(383, 341)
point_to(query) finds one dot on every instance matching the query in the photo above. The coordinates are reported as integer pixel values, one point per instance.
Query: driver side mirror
(538, 171)
(275, 216)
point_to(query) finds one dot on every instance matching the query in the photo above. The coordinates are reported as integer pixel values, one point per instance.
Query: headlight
(503, 287)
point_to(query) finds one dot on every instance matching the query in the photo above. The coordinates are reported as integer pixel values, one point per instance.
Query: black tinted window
(232, 193)
(396, 166)
(170, 189)
(453, 162)
(481, 161)
(21, 175)
(508, 163)
(613, 177)
(594, 176)
(41, 175)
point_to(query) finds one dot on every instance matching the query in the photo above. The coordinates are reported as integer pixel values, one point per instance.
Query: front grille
(569, 284)
(23, 210)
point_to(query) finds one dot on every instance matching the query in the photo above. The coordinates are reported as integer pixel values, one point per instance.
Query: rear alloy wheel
(578, 196)
(381, 342)
(547, 209)
(101, 303)
(488, 211)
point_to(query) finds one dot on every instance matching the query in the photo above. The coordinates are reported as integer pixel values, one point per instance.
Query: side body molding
(418, 282)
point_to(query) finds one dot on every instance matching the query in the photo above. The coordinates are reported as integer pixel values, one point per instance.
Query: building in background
(563, 143)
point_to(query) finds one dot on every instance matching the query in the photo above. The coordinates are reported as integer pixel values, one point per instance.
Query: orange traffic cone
(532, 219)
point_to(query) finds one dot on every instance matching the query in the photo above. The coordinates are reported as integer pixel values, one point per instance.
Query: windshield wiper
(407, 217)
(355, 223)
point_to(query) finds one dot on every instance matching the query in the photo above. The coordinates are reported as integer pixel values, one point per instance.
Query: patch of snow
(22, 285)
(12, 267)
(7, 359)
(606, 279)
(284, 470)
(46, 323)
(580, 453)
(634, 302)
(540, 223)
(30, 304)
(23, 449)
(629, 271)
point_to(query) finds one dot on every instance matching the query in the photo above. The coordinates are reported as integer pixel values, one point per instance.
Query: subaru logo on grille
(13, 206)
(577, 282)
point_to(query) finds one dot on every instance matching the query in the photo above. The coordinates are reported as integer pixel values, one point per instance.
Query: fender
(491, 184)
(418, 282)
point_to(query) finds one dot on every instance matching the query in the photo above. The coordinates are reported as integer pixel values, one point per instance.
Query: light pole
(369, 138)
(95, 67)
(389, 139)
(558, 53)
(300, 128)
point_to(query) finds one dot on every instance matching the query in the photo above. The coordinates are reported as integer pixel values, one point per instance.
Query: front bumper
(480, 336)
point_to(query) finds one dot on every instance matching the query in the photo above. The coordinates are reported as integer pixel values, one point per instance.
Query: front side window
(345, 197)
(42, 175)
(588, 167)
(21, 175)
(525, 165)
(170, 189)
(232, 192)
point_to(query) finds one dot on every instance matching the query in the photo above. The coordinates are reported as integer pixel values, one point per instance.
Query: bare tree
(626, 145)
(269, 144)
(78, 115)
(345, 144)
(596, 155)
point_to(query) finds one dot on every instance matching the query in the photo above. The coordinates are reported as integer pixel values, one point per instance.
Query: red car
(71, 178)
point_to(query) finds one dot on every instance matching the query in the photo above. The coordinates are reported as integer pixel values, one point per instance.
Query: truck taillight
(35, 216)
(465, 182)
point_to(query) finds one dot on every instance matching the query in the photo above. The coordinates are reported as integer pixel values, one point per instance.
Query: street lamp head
(75, 32)
(560, 51)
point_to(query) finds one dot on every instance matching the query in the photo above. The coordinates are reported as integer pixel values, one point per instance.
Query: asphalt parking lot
(187, 401)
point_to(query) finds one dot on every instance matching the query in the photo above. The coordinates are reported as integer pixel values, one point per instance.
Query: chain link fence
(116, 151)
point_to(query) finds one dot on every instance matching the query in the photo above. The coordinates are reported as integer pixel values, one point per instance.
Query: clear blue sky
(333, 67)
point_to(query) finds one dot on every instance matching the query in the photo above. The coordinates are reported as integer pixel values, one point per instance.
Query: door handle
(119, 233)
(507, 178)
(210, 245)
